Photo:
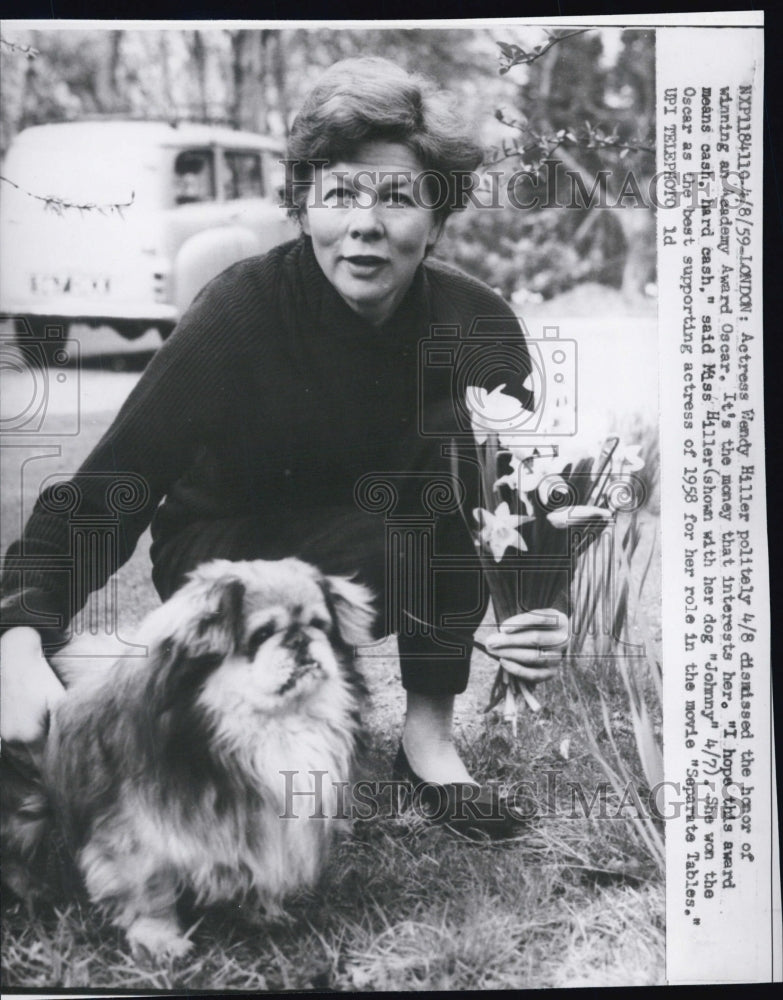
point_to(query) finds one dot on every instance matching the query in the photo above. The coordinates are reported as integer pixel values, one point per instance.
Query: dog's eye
(259, 637)
(320, 623)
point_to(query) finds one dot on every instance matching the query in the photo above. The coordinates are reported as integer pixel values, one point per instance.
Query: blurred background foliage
(580, 106)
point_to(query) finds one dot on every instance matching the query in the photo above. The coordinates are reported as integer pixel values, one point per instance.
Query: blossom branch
(59, 205)
(25, 50)
(515, 55)
(545, 145)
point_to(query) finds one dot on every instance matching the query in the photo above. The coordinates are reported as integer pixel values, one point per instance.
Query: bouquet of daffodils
(542, 507)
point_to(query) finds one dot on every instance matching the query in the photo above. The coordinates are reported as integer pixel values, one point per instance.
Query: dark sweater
(271, 394)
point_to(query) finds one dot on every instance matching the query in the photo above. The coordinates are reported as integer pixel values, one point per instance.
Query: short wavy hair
(370, 99)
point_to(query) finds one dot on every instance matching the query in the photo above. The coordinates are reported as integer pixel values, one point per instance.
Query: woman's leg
(435, 666)
(428, 740)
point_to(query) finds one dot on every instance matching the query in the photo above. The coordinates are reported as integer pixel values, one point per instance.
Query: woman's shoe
(460, 805)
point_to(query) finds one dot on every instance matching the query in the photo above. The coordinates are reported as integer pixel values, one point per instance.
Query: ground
(574, 901)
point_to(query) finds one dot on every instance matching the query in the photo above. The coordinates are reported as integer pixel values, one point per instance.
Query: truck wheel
(131, 329)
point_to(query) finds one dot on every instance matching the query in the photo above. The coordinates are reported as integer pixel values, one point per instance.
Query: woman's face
(369, 233)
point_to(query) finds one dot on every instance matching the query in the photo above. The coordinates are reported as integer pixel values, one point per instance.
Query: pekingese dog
(191, 768)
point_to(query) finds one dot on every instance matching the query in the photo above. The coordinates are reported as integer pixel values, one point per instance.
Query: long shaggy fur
(176, 771)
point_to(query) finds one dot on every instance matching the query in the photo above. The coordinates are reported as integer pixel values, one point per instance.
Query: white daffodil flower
(494, 412)
(530, 463)
(500, 531)
(572, 517)
(629, 458)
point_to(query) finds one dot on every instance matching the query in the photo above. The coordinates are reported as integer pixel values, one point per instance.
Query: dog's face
(260, 637)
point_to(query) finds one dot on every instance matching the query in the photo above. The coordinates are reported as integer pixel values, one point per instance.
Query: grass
(570, 902)
(574, 901)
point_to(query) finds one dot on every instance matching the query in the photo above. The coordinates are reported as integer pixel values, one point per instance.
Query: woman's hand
(531, 645)
(28, 686)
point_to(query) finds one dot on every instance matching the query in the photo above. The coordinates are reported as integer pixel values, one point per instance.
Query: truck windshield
(243, 178)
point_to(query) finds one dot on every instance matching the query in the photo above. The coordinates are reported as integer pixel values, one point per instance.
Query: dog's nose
(296, 640)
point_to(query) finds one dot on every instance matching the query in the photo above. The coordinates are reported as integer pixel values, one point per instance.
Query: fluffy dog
(180, 771)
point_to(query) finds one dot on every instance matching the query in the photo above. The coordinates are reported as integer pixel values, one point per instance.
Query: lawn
(572, 902)
(575, 900)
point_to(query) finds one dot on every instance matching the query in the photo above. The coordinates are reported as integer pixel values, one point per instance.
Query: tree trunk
(280, 79)
(105, 78)
(198, 55)
(248, 106)
(28, 104)
(115, 65)
(167, 96)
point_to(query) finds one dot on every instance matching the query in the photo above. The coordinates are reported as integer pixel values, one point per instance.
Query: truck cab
(121, 223)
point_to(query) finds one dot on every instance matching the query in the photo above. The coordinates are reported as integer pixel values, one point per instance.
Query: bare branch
(515, 55)
(543, 147)
(597, 140)
(25, 50)
(587, 138)
(59, 205)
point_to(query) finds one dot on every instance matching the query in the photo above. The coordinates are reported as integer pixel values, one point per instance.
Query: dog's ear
(178, 674)
(219, 626)
(209, 631)
(352, 606)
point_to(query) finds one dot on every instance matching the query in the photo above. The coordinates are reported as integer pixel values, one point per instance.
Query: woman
(294, 383)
